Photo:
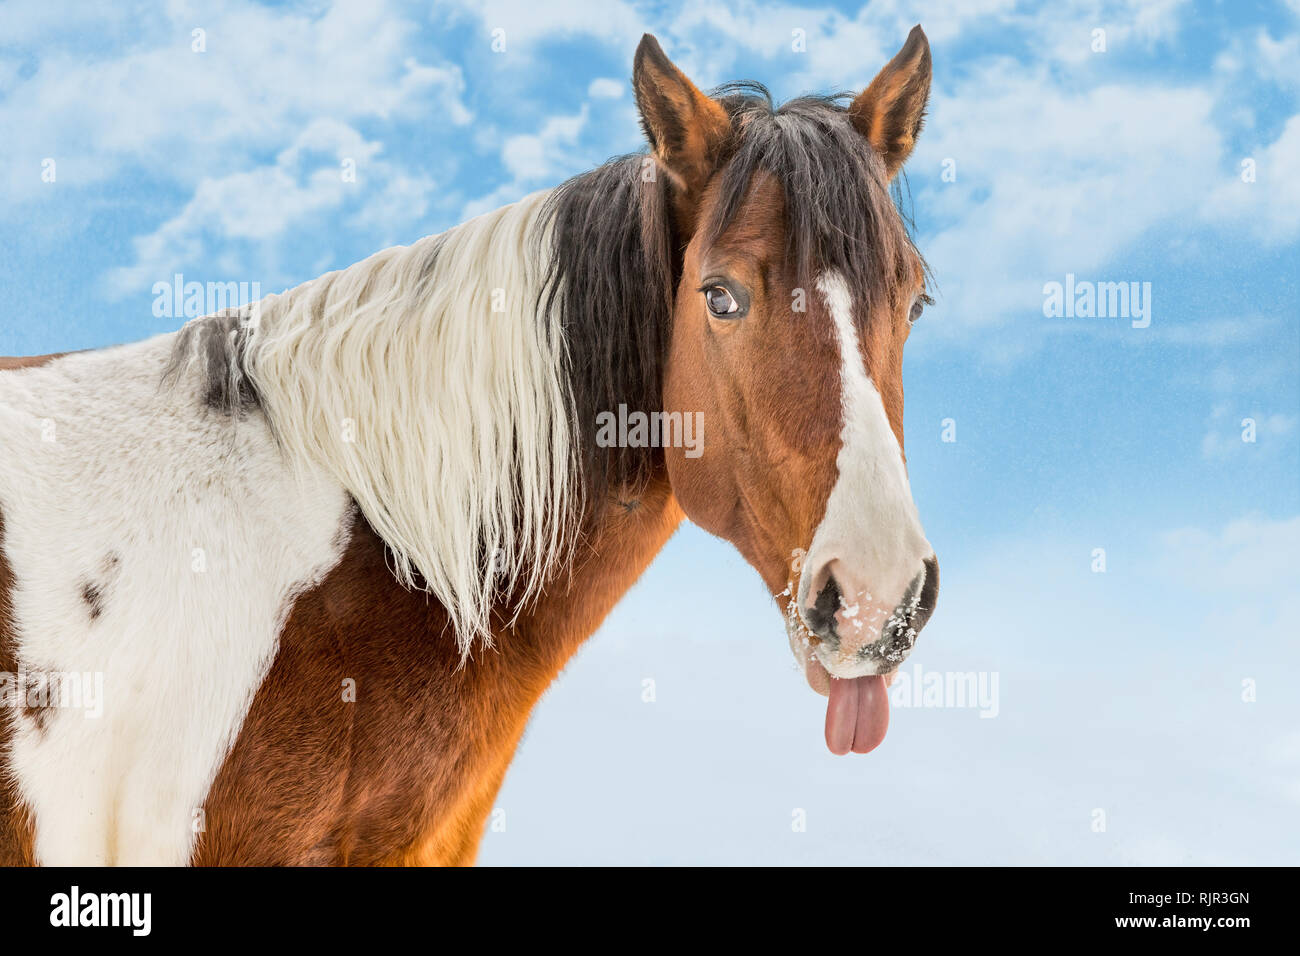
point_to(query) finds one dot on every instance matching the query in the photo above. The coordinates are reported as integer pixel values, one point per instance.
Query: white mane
(425, 381)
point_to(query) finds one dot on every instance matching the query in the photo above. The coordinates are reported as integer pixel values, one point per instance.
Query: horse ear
(686, 129)
(890, 111)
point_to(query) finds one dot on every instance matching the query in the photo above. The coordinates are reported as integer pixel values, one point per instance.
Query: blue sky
(1119, 691)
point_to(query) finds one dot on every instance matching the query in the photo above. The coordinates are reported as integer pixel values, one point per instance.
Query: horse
(326, 551)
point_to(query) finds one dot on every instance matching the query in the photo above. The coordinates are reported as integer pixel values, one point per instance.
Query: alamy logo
(74, 908)
(190, 300)
(969, 690)
(1083, 299)
(651, 430)
(37, 690)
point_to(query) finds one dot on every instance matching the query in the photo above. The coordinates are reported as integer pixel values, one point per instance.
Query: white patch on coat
(870, 526)
(197, 537)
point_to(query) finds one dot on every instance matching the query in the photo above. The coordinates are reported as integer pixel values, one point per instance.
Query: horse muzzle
(859, 634)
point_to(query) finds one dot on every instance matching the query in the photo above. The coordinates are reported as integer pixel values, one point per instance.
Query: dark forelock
(840, 213)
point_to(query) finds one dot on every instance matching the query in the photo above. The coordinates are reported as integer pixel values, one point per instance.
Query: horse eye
(720, 301)
(917, 308)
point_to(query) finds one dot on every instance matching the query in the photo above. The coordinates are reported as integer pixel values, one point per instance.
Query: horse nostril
(821, 616)
(929, 593)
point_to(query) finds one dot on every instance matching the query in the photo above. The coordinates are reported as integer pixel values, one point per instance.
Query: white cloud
(1260, 57)
(1050, 182)
(1227, 426)
(527, 23)
(1268, 206)
(263, 203)
(605, 88)
(1131, 26)
(535, 160)
(182, 116)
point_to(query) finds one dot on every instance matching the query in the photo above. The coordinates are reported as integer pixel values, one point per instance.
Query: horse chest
(369, 743)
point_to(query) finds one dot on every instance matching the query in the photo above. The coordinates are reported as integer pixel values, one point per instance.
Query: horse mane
(612, 269)
(423, 381)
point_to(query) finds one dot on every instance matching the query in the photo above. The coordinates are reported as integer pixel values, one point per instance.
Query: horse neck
(621, 541)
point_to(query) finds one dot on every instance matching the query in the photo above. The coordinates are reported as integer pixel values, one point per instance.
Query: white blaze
(870, 528)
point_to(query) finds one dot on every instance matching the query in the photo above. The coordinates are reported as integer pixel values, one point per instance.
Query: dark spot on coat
(94, 599)
(38, 717)
(219, 344)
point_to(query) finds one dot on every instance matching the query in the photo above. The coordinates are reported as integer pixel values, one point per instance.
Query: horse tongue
(857, 714)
